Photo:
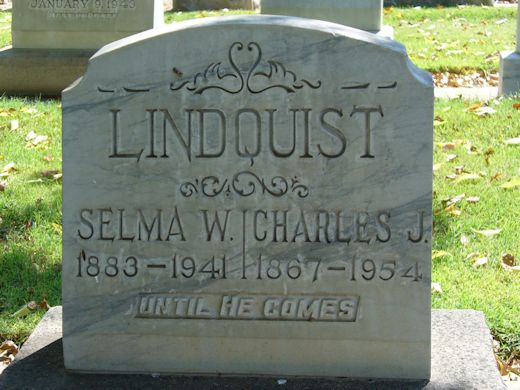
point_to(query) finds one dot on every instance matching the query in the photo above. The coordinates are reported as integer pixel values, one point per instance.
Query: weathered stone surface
(510, 65)
(363, 14)
(29, 72)
(85, 24)
(257, 203)
(462, 358)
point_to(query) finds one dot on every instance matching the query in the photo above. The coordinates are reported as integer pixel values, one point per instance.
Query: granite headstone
(249, 195)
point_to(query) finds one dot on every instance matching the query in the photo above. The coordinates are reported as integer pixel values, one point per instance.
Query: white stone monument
(53, 39)
(362, 14)
(86, 24)
(510, 66)
(249, 195)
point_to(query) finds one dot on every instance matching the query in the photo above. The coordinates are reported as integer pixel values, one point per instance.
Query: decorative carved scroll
(245, 184)
(257, 78)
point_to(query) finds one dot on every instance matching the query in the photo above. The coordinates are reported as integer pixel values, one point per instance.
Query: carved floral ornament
(259, 77)
(262, 75)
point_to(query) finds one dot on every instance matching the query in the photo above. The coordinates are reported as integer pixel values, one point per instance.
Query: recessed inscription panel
(247, 307)
(247, 198)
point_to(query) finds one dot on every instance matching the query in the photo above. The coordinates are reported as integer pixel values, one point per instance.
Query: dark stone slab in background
(462, 358)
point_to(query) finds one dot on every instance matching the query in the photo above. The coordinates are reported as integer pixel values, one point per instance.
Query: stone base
(40, 72)
(462, 358)
(509, 73)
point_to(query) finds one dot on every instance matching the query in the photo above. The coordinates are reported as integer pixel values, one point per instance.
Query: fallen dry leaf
(473, 199)
(439, 254)
(15, 125)
(29, 110)
(459, 169)
(436, 288)
(509, 262)
(516, 105)
(451, 176)
(34, 139)
(9, 346)
(451, 157)
(503, 367)
(470, 148)
(515, 182)
(464, 240)
(496, 176)
(473, 107)
(515, 268)
(8, 351)
(508, 259)
(3, 185)
(485, 111)
(488, 233)
(49, 173)
(513, 141)
(453, 210)
(9, 168)
(473, 255)
(7, 112)
(438, 121)
(467, 177)
(446, 145)
(455, 199)
(480, 262)
(44, 305)
(48, 158)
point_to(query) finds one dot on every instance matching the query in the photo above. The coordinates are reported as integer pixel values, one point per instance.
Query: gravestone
(53, 39)
(362, 14)
(85, 24)
(510, 65)
(194, 5)
(240, 206)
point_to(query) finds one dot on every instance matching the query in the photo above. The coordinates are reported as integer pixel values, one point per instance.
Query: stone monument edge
(334, 29)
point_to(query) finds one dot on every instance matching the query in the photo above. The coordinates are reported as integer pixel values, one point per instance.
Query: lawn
(477, 218)
(458, 39)
(455, 39)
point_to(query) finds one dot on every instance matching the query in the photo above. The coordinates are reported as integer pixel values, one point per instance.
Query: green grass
(488, 288)
(30, 213)
(454, 39)
(5, 28)
(171, 17)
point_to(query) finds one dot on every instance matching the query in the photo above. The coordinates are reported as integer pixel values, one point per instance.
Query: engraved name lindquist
(315, 133)
(248, 307)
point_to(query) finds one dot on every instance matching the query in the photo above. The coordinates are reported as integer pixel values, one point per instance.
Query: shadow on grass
(29, 268)
(17, 220)
(28, 276)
